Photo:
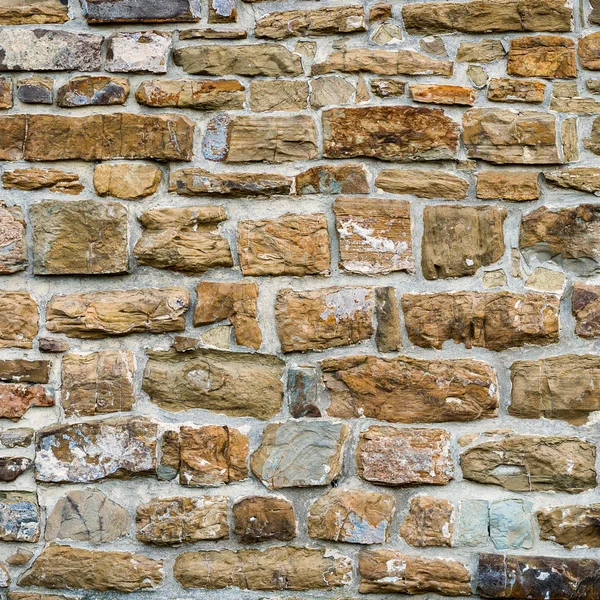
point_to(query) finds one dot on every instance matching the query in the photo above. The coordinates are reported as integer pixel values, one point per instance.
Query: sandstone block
(592, 143)
(472, 526)
(303, 392)
(35, 179)
(388, 335)
(17, 398)
(20, 370)
(12, 141)
(209, 33)
(13, 243)
(264, 518)
(588, 50)
(16, 437)
(485, 51)
(170, 456)
(385, 88)
(430, 522)
(586, 310)
(19, 517)
(18, 319)
(33, 12)
(510, 524)
(422, 183)
(333, 179)
(93, 91)
(6, 92)
(132, 11)
(515, 90)
(138, 52)
(127, 181)
(548, 56)
(327, 91)
(278, 95)
(584, 179)
(442, 94)
(517, 186)
(571, 526)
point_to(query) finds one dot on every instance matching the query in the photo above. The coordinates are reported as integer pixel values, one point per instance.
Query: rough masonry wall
(299, 300)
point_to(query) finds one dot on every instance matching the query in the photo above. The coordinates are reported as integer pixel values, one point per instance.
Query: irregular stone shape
(327, 91)
(387, 33)
(536, 577)
(138, 52)
(380, 12)
(517, 186)
(545, 280)
(77, 237)
(222, 11)
(35, 179)
(20, 370)
(592, 143)
(170, 521)
(12, 141)
(17, 398)
(49, 50)
(97, 383)
(300, 453)
(53, 345)
(6, 93)
(34, 596)
(458, 240)
(351, 516)
(510, 524)
(588, 51)
(132, 11)
(472, 528)
(571, 526)
(382, 62)
(303, 392)
(212, 455)
(392, 571)
(209, 33)
(127, 181)
(323, 318)
(170, 456)
(277, 568)
(205, 94)
(584, 179)
(220, 300)
(567, 237)
(575, 104)
(17, 437)
(558, 387)
(18, 319)
(76, 568)
(13, 243)
(442, 94)
(388, 336)
(478, 76)
(12, 467)
(333, 179)
(385, 88)
(515, 90)
(410, 390)
(250, 138)
(85, 452)
(33, 12)
(183, 239)
(264, 518)
(396, 133)
(19, 517)
(421, 183)
(486, 16)
(492, 320)
(318, 21)
(404, 457)
(374, 235)
(507, 136)
(485, 51)
(548, 56)
(19, 558)
(586, 309)
(87, 516)
(523, 463)
(278, 94)
(198, 182)
(93, 91)
(493, 279)
(268, 60)
(430, 522)
(233, 383)
(36, 90)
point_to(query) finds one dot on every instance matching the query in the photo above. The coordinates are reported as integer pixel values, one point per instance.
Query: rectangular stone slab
(136, 11)
(33, 12)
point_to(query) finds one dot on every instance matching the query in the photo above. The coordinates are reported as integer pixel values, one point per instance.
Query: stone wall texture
(299, 299)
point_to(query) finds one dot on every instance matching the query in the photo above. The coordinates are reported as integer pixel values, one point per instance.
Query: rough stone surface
(93, 91)
(423, 184)
(584, 179)
(33, 12)
(17, 398)
(571, 526)
(19, 517)
(12, 467)
(517, 186)
(13, 244)
(333, 179)
(18, 319)
(388, 335)
(139, 52)
(35, 90)
(131, 11)
(515, 90)
(430, 522)
(264, 518)
(586, 310)
(547, 56)
(510, 524)
(36, 179)
(472, 525)
(127, 181)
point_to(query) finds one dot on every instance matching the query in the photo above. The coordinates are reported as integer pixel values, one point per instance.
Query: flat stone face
(515, 90)
(16, 437)
(93, 91)
(171, 521)
(396, 133)
(548, 56)
(388, 335)
(536, 577)
(118, 312)
(289, 245)
(442, 94)
(584, 179)
(300, 453)
(430, 522)
(278, 568)
(77, 237)
(6, 93)
(18, 319)
(472, 525)
(17, 398)
(458, 240)
(59, 567)
(264, 518)
(13, 245)
(132, 11)
(33, 12)
(333, 179)
(54, 180)
(20, 370)
(127, 181)
(516, 186)
(523, 463)
(323, 318)
(12, 142)
(485, 51)
(303, 393)
(35, 90)
(392, 571)
(493, 320)
(86, 452)
(138, 52)
(506, 136)
(233, 383)
(19, 517)
(12, 467)
(409, 390)
(588, 50)
(278, 95)
(170, 456)
(404, 457)
(328, 91)
(586, 309)
(558, 387)
(510, 524)
(571, 526)
(351, 516)
(422, 183)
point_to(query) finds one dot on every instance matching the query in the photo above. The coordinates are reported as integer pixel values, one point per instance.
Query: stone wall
(299, 300)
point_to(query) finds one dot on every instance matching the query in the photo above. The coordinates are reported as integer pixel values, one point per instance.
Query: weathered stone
(517, 186)
(98, 90)
(545, 280)
(392, 571)
(592, 86)
(19, 558)
(206, 94)
(277, 568)
(536, 577)
(66, 567)
(433, 93)
(571, 526)
(170, 521)
(492, 320)
(36, 90)
(268, 60)
(485, 51)
(387, 33)
(288, 245)
(523, 463)
(12, 467)
(575, 104)
(384, 88)
(421, 183)
(6, 93)
(18, 319)
(264, 518)
(388, 336)
(586, 310)
(138, 52)
(433, 44)
(212, 455)
(20, 370)
(87, 516)
(170, 456)
(558, 387)
(478, 76)
(323, 318)
(351, 516)
(33, 12)
(53, 345)
(12, 141)
(183, 239)
(34, 596)
(16, 437)
(35, 179)
(49, 50)
(4, 576)
(515, 90)
(127, 181)
(510, 524)
(300, 453)
(430, 522)
(209, 33)
(472, 527)
(493, 279)
(218, 301)
(507, 136)
(547, 56)
(84, 452)
(222, 11)
(404, 457)
(333, 179)
(328, 91)
(19, 517)
(570, 140)
(79, 237)
(584, 179)
(17, 398)
(410, 390)
(13, 243)
(588, 51)
(380, 12)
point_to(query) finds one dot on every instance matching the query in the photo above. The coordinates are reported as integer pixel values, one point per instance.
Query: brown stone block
(515, 186)
(430, 522)
(93, 91)
(126, 181)
(35, 179)
(264, 518)
(18, 319)
(13, 243)
(515, 90)
(571, 526)
(333, 179)
(17, 398)
(442, 94)
(548, 56)
(423, 183)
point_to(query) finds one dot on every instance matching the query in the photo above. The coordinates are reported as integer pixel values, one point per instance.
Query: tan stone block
(35, 179)
(6, 91)
(18, 319)
(33, 12)
(589, 51)
(264, 518)
(422, 183)
(584, 179)
(278, 94)
(570, 526)
(516, 186)
(485, 51)
(430, 522)
(333, 179)
(328, 91)
(442, 94)
(504, 89)
(126, 181)
(13, 242)
(388, 335)
(548, 56)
